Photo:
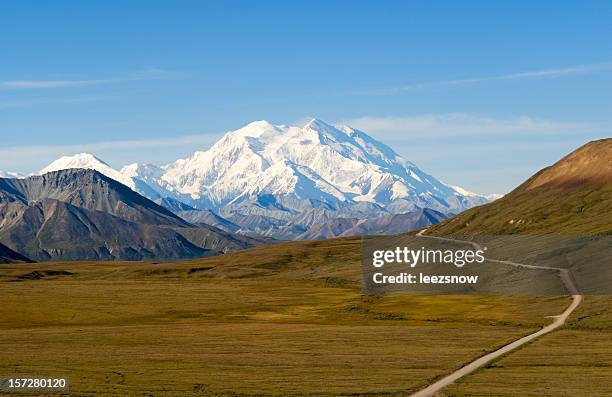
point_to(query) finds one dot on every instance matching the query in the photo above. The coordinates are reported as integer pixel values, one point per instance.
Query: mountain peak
(87, 157)
(317, 124)
(317, 163)
(80, 160)
(590, 163)
(266, 130)
(259, 124)
(84, 215)
(255, 129)
(90, 162)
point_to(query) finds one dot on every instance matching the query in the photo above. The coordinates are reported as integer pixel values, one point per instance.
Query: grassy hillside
(287, 319)
(574, 196)
(582, 210)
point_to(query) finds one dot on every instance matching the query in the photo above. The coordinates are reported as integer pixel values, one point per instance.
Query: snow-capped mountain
(317, 162)
(270, 177)
(88, 161)
(146, 179)
(138, 177)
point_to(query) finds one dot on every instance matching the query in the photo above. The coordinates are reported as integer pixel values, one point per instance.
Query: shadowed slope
(81, 214)
(7, 255)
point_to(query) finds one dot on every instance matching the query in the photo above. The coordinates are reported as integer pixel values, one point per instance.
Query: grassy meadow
(574, 361)
(288, 319)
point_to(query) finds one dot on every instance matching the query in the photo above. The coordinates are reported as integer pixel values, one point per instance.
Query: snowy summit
(316, 162)
(280, 172)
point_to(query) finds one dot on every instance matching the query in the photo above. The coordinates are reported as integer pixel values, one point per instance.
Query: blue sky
(479, 94)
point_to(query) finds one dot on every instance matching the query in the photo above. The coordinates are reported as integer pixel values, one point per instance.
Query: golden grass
(282, 320)
(574, 361)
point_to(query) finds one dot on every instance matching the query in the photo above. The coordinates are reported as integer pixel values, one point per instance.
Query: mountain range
(279, 181)
(81, 208)
(85, 215)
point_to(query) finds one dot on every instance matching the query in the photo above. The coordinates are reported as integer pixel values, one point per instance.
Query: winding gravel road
(479, 362)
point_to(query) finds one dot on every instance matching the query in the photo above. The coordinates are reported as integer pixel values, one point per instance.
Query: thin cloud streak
(187, 140)
(537, 74)
(153, 74)
(20, 104)
(460, 124)
(33, 84)
(31, 158)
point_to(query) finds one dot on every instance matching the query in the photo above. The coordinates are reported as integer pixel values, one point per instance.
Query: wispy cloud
(186, 140)
(152, 74)
(32, 84)
(27, 103)
(536, 74)
(459, 124)
(479, 152)
(466, 149)
(30, 158)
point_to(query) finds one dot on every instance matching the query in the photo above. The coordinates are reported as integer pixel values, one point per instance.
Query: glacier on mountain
(318, 162)
(274, 174)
